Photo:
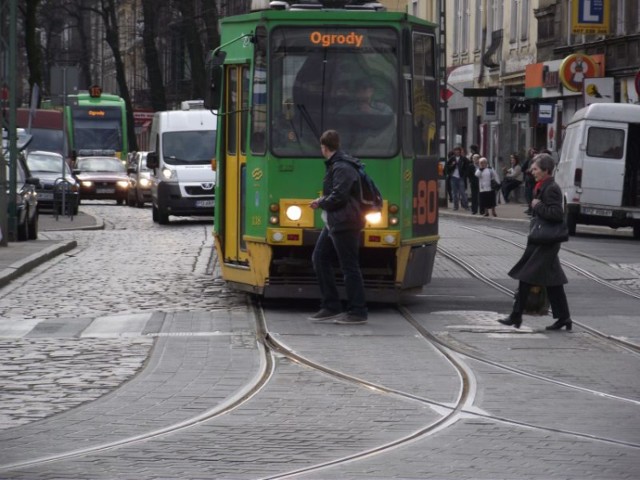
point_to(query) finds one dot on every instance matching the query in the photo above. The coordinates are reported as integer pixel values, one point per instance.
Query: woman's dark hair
(331, 140)
(516, 157)
(545, 162)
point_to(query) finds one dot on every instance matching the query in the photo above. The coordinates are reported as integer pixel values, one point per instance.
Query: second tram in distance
(282, 77)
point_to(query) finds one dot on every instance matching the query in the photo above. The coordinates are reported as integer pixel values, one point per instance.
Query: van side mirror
(213, 94)
(152, 160)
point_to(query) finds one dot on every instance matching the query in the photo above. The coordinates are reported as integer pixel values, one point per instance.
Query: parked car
(48, 166)
(139, 180)
(26, 201)
(102, 178)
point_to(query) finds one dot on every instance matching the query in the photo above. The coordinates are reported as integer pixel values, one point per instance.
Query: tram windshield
(340, 78)
(97, 128)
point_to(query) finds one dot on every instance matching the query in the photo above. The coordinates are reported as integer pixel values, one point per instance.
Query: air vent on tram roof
(316, 5)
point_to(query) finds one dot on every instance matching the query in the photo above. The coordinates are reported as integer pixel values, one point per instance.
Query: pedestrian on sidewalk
(457, 168)
(539, 264)
(529, 181)
(340, 237)
(487, 196)
(474, 183)
(513, 177)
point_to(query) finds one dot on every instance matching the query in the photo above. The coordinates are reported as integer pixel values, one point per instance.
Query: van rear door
(603, 167)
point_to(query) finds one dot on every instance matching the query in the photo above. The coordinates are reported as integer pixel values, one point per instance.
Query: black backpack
(370, 196)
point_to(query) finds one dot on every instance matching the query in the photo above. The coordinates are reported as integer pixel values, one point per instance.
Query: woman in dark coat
(540, 264)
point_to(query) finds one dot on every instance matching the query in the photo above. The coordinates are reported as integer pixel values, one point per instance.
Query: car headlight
(87, 183)
(168, 174)
(373, 218)
(293, 213)
(145, 182)
(122, 183)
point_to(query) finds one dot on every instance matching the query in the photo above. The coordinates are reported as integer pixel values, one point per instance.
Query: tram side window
(259, 103)
(351, 87)
(424, 95)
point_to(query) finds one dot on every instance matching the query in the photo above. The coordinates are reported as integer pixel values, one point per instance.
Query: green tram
(278, 80)
(97, 121)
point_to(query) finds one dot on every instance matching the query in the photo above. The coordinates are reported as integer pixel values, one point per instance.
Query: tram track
(270, 348)
(462, 408)
(476, 273)
(245, 394)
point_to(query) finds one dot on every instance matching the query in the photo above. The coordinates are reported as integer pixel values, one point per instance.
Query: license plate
(600, 212)
(105, 190)
(45, 196)
(205, 203)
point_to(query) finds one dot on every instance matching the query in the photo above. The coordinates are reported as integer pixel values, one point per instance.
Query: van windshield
(194, 147)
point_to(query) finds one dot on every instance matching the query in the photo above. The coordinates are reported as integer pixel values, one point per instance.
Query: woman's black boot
(561, 323)
(515, 320)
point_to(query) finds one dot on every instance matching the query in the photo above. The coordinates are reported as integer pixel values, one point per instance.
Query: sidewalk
(19, 257)
(509, 211)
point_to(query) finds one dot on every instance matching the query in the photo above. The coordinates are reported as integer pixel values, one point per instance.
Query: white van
(599, 168)
(182, 145)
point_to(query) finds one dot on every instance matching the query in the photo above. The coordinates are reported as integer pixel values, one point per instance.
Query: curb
(23, 266)
(98, 226)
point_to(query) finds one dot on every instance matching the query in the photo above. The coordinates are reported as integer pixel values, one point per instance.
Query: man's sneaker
(325, 315)
(350, 319)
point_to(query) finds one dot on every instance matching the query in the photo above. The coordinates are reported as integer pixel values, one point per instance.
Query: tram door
(237, 100)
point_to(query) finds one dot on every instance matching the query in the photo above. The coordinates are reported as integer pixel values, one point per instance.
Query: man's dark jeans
(344, 247)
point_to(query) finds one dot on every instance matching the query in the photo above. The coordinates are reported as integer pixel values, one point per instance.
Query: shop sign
(598, 90)
(590, 17)
(575, 68)
(545, 113)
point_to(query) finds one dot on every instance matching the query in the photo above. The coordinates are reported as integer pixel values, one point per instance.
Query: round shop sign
(575, 68)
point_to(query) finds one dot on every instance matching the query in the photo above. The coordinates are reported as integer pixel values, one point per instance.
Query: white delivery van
(182, 145)
(599, 167)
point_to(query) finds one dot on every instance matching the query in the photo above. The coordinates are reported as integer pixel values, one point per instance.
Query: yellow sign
(331, 39)
(590, 17)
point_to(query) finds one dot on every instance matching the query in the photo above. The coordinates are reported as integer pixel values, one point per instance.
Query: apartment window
(525, 16)
(414, 7)
(478, 25)
(513, 27)
(465, 25)
(620, 17)
(456, 27)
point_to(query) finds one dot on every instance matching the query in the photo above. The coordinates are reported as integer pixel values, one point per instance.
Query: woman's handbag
(495, 185)
(537, 301)
(544, 232)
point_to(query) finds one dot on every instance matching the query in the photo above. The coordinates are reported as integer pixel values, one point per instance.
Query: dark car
(139, 180)
(102, 178)
(26, 201)
(47, 166)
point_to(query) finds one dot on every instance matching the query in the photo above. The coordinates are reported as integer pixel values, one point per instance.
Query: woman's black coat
(539, 264)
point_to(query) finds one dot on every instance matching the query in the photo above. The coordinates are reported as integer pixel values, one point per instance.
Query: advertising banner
(590, 17)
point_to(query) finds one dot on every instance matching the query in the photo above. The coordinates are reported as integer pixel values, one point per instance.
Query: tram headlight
(373, 218)
(293, 213)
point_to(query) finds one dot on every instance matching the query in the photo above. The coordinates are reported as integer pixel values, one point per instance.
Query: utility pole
(8, 220)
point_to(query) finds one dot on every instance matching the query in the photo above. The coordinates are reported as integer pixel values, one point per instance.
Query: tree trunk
(151, 59)
(112, 37)
(210, 17)
(32, 44)
(194, 46)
